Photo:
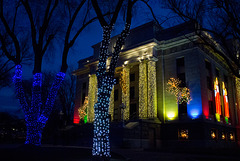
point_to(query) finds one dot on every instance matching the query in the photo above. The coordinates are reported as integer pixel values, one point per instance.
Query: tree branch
(4, 48)
(98, 11)
(33, 29)
(49, 39)
(116, 12)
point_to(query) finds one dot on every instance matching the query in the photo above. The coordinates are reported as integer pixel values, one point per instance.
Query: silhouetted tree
(44, 20)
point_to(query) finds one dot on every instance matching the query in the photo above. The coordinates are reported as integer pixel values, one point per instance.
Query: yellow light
(182, 94)
(111, 106)
(183, 134)
(171, 115)
(223, 136)
(82, 110)
(231, 136)
(92, 97)
(152, 90)
(143, 90)
(213, 135)
(125, 83)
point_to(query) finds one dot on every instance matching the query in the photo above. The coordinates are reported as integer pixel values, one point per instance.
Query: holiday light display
(36, 116)
(231, 136)
(213, 134)
(217, 100)
(183, 134)
(101, 144)
(225, 101)
(143, 96)
(182, 94)
(125, 83)
(92, 97)
(237, 104)
(111, 106)
(82, 111)
(152, 90)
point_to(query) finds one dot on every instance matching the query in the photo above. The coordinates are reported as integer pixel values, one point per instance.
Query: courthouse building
(153, 117)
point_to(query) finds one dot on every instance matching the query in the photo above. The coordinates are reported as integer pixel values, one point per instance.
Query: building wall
(200, 68)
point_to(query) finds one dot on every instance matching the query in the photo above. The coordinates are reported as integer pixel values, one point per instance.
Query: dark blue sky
(81, 49)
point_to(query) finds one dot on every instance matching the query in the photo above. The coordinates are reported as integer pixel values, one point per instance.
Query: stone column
(126, 92)
(111, 105)
(143, 90)
(92, 97)
(152, 89)
(237, 105)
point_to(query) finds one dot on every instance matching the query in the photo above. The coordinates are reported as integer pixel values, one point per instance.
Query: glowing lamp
(194, 114)
(171, 115)
(213, 135)
(231, 136)
(223, 136)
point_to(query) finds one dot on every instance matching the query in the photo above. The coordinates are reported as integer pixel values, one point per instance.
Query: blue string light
(101, 144)
(35, 119)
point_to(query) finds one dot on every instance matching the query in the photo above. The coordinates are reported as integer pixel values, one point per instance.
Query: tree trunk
(101, 144)
(35, 118)
(34, 133)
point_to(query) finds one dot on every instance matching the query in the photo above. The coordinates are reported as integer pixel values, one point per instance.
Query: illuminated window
(214, 134)
(231, 136)
(223, 135)
(183, 134)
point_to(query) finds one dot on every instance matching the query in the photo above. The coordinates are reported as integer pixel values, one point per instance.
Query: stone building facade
(152, 116)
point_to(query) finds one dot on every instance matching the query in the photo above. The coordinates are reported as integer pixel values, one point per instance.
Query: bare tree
(44, 21)
(105, 77)
(6, 44)
(217, 25)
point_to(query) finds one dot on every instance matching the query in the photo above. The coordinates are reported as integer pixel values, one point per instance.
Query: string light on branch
(182, 94)
(101, 144)
(34, 117)
(82, 111)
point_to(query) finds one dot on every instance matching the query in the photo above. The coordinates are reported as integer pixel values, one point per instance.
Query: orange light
(217, 97)
(225, 100)
(213, 135)
(231, 136)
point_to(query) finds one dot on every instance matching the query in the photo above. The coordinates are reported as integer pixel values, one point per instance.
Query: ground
(12, 152)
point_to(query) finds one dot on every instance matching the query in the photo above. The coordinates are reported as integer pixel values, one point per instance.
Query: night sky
(81, 49)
